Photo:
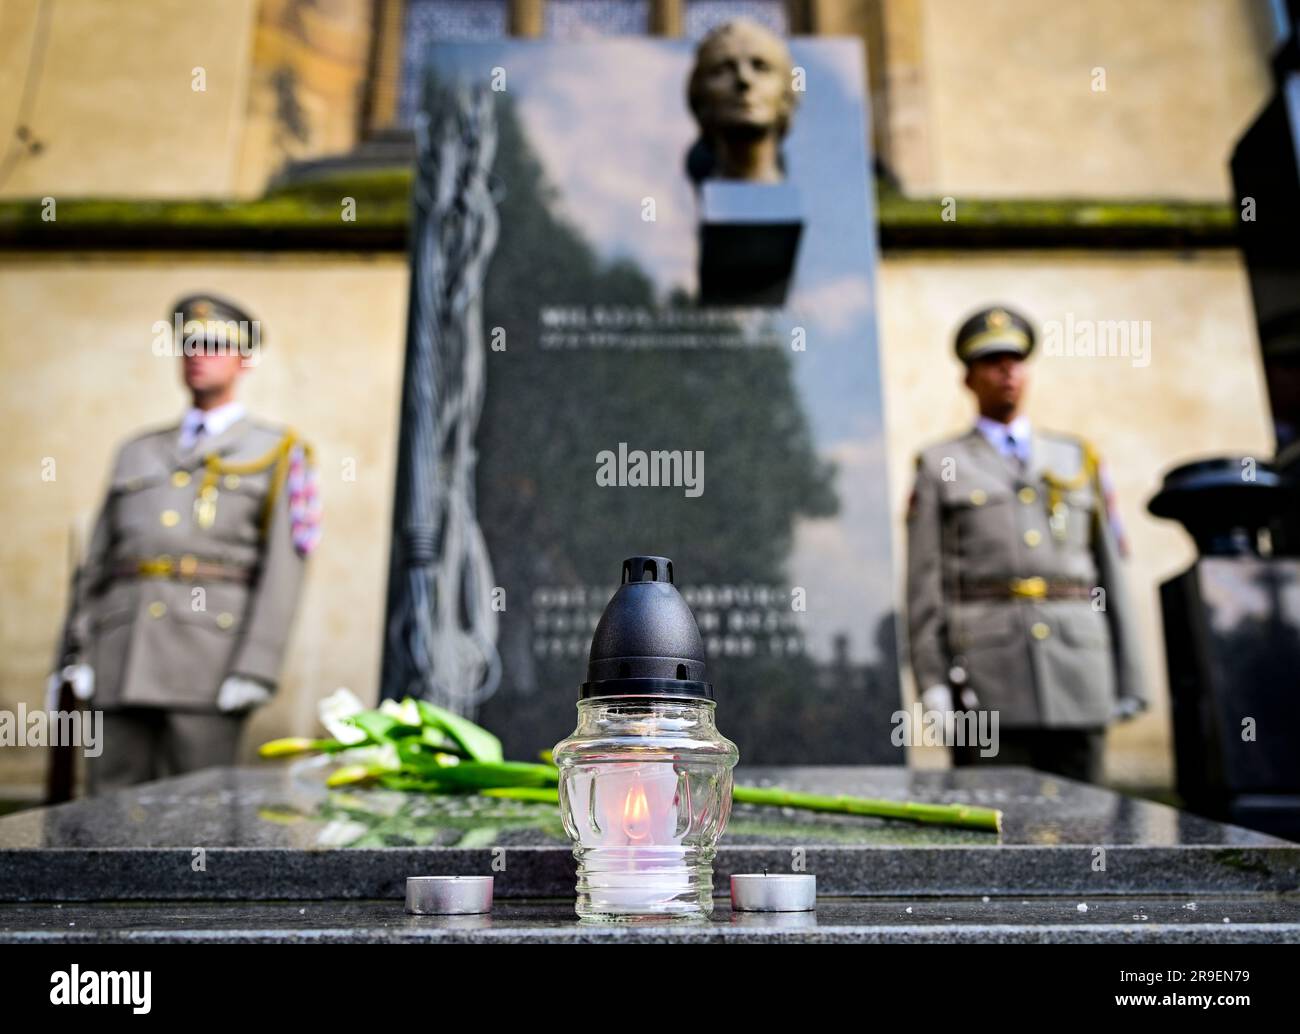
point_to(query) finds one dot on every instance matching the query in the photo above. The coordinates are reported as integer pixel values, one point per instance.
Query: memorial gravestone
(571, 398)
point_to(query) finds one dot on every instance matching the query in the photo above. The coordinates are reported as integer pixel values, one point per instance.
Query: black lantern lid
(647, 643)
(1222, 508)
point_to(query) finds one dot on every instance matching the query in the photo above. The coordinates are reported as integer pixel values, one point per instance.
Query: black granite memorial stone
(589, 406)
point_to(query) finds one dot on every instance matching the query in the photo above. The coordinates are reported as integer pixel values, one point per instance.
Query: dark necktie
(1013, 455)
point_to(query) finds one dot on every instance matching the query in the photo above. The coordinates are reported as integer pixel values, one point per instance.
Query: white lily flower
(405, 712)
(335, 709)
(340, 833)
(383, 756)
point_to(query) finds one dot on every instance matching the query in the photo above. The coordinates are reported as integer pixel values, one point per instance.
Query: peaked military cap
(992, 331)
(216, 319)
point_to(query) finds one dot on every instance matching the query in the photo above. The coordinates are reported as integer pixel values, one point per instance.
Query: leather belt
(185, 568)
(1033, 588)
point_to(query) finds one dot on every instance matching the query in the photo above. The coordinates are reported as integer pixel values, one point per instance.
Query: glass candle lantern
(645, 779)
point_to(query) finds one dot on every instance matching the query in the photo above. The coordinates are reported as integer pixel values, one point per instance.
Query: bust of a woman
(742, 95)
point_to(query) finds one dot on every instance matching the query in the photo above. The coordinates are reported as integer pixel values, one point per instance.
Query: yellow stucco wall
(996, 99)
(74, 342)
(115, 107)
(80, 375)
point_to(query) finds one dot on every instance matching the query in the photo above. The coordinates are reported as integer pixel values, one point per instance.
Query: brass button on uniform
(1027, 495)
(157, 609)
(1039, 630)
(231, 481)
(1033, 537)
(169, 518)
(189, 565)
(225, 620)
(181, 478)
(979, 497)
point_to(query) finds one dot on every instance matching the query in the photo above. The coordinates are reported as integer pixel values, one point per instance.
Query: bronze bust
(742, 95)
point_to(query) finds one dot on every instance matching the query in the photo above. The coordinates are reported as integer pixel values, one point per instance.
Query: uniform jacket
(156, 632)
(974, 519)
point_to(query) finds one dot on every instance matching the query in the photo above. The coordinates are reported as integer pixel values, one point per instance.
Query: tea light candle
(781, 892)
(636, 862)
(448, 895)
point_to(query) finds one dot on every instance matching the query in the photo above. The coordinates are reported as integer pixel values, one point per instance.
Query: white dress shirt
(1010, 440)
(211, 421)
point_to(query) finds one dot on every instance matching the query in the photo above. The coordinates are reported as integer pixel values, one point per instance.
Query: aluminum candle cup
(645, 779)
(448, 895)
(780, 892)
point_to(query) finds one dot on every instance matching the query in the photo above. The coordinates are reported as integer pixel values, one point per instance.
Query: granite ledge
(275, 832)
(1164, 920)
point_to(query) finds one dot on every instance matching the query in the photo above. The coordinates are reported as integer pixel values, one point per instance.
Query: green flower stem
(963, 815)
(291, 745)
(541, 794)
(960, 815)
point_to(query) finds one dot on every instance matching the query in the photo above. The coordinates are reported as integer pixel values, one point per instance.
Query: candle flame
(636, 812)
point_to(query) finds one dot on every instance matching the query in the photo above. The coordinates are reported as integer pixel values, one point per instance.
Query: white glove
(1127, 708)
(239, 694)
(939, 698)
(81, 677)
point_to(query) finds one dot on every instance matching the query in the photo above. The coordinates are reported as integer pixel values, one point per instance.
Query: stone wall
(1017, 98)
(992, 99)
(113, 101)
(120, 108)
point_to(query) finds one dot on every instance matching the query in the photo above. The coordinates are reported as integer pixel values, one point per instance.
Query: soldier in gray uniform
(181, 610)
(1016, 601)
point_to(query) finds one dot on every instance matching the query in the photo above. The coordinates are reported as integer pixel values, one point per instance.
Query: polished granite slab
(1237, 919)
(275, 832)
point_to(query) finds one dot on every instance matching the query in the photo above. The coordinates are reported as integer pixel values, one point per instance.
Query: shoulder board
(1063, 436)
(151, 436)
(939, 448)
(1090, 457)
